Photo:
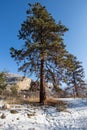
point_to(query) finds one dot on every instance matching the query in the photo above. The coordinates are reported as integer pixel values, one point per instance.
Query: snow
(46, 118)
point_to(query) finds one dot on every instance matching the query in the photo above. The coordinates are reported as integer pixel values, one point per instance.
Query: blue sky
(72, 13)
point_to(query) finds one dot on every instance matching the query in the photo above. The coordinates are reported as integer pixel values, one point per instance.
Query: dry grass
(34, 99)
(19, 100)
(53, 102)
(60, 105)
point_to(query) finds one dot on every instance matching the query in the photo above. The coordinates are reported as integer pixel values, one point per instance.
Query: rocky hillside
(21, 82)
(26, 83)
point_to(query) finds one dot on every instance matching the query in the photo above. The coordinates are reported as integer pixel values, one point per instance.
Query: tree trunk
(76, 90)
(42, 83)
(75, 85)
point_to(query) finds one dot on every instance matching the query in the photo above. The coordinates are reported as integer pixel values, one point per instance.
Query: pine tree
(74, 73)
(3, 83)
(43, 52)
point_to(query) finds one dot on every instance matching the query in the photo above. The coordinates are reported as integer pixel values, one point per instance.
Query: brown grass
(53, 102)
(60, 105)
(19, 100)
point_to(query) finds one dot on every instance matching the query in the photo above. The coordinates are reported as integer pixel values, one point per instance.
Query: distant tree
(34, 86)
(43, 52)
(3, 83)
(74, 73)
(14, 90)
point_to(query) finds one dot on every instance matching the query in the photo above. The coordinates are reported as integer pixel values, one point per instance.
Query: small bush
(14, 90)
(3, 116)
(13, 111)
(30, 114)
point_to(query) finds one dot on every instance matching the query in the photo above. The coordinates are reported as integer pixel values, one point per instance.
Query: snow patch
(46, 118)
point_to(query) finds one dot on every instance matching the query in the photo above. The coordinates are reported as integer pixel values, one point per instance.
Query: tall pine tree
(74, 73)
(43, 52)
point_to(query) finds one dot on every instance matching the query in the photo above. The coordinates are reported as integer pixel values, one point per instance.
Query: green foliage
(43, 40)
(14, 90)
(75, 73)
(2, 81)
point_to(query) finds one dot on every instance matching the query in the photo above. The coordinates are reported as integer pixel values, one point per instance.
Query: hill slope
(22, 83)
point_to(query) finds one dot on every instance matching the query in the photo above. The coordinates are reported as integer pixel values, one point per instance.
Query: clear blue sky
(72, 13)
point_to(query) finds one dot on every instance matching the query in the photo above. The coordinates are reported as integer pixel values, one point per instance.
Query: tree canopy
(74, 73)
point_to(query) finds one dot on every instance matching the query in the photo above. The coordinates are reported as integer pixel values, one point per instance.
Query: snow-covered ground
(45, 118)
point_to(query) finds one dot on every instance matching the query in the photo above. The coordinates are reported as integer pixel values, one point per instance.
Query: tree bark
(76, 90)
(75, 85)
(42, 83)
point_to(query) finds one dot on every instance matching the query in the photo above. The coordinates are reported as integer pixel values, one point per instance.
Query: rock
(6, 106)
(24, 84)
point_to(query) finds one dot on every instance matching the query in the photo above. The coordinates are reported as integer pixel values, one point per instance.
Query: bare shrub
(13, 111)
(30, 114)
(3, 116)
